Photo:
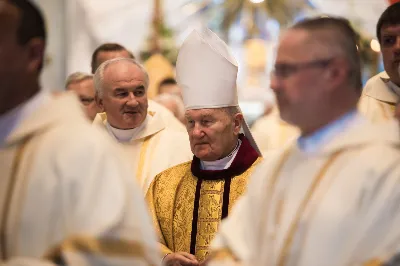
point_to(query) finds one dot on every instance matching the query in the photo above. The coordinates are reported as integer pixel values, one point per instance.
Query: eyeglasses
(285, 70)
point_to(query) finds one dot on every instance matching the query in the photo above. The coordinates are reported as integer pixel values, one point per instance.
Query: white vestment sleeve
(106, 217)
(378, 237)
(238, 237)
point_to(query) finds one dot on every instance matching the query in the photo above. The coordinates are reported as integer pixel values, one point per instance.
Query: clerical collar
(13, 118)
(315, 141)
(125, 135)
(245, 157)
(223, 163)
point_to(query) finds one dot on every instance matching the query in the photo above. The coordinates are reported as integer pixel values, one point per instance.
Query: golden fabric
(171, 200)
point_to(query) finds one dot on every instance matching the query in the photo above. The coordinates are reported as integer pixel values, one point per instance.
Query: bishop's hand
(180, 259)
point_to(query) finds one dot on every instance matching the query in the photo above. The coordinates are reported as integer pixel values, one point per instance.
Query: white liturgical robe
(336, 203)
(66, 193)
(379, 98)
(152, 148)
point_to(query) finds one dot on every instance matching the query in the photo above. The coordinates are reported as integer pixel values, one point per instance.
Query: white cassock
(379, 98)
(271, 132)
(151, 148)
(168, 117)
(66, 191)
(336, 204)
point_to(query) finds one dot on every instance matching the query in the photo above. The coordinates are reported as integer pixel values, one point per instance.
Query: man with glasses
(331, 197)
(382, 92)
(82, 84)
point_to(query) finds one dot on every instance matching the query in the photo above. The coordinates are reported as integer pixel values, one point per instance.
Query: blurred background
(158, 27)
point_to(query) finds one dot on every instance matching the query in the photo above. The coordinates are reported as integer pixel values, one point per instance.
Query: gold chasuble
(187, 203)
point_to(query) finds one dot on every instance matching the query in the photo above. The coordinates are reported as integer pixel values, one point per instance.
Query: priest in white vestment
(108, 51)
(331, 197)
(149, 145)
(66, 194)
(382, 92)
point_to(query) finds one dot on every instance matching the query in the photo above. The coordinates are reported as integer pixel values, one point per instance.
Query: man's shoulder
(377, 82)
(80, 137)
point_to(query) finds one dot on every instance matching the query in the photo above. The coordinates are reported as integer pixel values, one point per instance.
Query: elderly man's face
(390, 46)
(86, 93)
(124, 95)
(212, 132)
(298, 77)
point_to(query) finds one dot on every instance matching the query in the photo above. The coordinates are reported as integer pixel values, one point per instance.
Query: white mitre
(206, 71)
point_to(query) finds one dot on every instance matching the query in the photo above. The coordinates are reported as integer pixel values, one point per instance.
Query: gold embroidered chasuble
(187, 204)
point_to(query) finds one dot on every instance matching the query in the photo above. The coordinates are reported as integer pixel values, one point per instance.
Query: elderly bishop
(189, 200)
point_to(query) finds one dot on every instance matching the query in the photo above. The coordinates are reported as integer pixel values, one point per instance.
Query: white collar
(13, 118)
(126, 135)
(223, 163)
(314, 142)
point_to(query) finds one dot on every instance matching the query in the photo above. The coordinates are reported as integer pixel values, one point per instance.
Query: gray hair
(99, 74)
(167, 97)
(77, 77)
(232, 110)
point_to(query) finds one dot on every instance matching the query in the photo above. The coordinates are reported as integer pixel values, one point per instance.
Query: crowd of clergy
(104, 174)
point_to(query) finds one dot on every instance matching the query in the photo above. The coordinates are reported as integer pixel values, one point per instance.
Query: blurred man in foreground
(331, 197)
(65, 193)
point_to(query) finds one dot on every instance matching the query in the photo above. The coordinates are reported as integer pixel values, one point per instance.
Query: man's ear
(35, 52)
(237, 123)
(99, 102)
(337, 73)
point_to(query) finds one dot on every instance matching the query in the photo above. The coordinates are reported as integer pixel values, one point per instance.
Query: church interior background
(154, 27)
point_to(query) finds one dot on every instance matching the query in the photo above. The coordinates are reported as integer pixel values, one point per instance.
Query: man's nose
(132, 101)
(197, 131)
(275, 82)
(397, 45)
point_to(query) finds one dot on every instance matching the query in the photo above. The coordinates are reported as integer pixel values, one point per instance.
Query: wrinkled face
(171, 89)
(124, 95)
(297, 79)
(105, 56)
(212, 133)
(390, 46)
(86, 93)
